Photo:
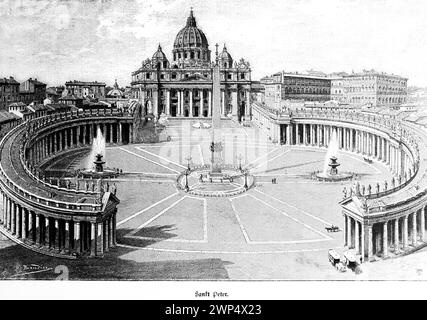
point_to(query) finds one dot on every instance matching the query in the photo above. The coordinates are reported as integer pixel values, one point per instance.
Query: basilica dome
(191, 43)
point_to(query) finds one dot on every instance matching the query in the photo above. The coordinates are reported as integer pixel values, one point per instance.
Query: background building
(81, 89)
(375, 89)
(295, 86)
(9, 92)
(182, 87)
(32, 90)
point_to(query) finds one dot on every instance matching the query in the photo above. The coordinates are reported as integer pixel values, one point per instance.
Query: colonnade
(369, 144)
(76, 135)
(70, 236)
(384, 238)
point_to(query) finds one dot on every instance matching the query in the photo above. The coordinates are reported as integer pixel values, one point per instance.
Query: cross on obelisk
(216, 147)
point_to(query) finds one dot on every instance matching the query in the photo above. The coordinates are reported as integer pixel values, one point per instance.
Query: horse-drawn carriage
(370, 161)
(333, 229)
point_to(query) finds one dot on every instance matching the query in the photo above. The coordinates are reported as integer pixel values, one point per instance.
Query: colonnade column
(423, 224)
(385, 240)
(405, 232)
(349, 244)
(356, 236)
(396, 236)
(414, 228)
(370, 242)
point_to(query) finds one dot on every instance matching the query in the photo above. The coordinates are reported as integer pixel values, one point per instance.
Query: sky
(103, 40)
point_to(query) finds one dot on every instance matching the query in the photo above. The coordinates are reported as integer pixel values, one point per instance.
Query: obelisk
(216, 146)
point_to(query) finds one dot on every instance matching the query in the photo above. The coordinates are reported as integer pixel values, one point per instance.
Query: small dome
(115, 92)
(225, 55)
(160, 58)
(226, 59)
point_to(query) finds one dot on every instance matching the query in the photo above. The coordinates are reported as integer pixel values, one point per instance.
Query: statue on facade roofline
(243, 64)
(146, 63)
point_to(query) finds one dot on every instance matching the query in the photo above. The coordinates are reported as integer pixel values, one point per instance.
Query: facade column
(304, 134)
(110, 126)
(385, 240)
(119, 133)
(222, 103)
(248, 106)
(191, 104)
(178, 105)
(288, 134)
(182, 103)
(168, 102)
(209, 103)
(202, 107)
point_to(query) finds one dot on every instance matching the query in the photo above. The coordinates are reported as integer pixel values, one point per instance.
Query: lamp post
(188, 162)
(239, 157)
(246, 179)
(187, 172)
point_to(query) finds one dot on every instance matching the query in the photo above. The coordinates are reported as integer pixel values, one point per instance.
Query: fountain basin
(93, 174)
(342, 176)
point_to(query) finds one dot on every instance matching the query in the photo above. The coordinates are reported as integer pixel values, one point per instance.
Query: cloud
(103, 40)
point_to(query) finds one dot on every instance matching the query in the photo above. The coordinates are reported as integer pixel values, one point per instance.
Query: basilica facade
(182, 87)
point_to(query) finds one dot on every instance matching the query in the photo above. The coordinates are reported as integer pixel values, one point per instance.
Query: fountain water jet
(332, 151)
(330, 165)
(95, 164)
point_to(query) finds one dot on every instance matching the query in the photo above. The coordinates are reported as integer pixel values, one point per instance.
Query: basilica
(182, 87)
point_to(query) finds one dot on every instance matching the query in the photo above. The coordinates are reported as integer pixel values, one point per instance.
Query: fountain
(330, 167)
(95, 164)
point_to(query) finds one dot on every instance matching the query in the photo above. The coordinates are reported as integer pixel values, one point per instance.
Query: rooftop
(83, 83)
(9, 80)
